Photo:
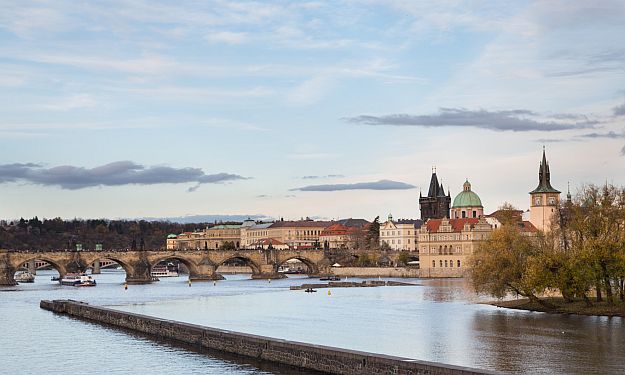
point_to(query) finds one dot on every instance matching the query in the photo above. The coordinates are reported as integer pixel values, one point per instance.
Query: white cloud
(69, 103)
(227, 37)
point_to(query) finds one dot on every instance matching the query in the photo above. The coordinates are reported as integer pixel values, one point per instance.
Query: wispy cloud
(619, 110)
(377, 185)
(113, 174)
(609, 135)
(517, 120)
(227, 37)
(72, 102)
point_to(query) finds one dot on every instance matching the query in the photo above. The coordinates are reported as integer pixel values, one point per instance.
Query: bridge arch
(311, 266)
(58, 266)
(191, 266)
(256, 270)
(91, 259)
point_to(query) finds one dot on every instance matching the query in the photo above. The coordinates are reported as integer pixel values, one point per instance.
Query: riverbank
(563, 307)
(350, 284)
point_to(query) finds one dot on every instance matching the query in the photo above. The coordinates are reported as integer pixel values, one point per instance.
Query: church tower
(544, 200)
(436, 204)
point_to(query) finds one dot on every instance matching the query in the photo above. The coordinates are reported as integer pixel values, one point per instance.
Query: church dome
(467, 198)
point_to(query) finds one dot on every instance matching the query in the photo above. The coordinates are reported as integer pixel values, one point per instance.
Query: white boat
(164, 271)
(24, 277)
(77, 279)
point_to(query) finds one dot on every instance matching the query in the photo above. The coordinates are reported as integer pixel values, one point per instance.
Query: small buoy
(329, 292)
(125, 286)
(214, 283)
(189, 282)
(269, 281)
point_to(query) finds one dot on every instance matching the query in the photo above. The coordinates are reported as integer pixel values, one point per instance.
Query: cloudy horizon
(319, 109)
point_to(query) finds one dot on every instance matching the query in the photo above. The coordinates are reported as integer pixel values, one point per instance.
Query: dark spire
(433, 191)
(441, 191)
(568, 192)
(544, 177)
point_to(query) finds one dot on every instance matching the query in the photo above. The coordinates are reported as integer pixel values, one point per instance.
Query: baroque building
(436, 204)
(400, 234)
(544, 200)
(467, 204)
(445, 245)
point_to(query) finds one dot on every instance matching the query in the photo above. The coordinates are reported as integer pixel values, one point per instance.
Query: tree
(373, 234)
(503, 264)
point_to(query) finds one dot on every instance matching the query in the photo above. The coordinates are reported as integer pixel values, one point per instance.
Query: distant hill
(189, 219)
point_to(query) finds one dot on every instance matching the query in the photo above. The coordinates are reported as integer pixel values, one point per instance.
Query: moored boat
(169, 270)
(24, 277)
(77, 279)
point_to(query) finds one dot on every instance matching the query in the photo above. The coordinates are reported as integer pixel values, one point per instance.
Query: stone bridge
(202, 264)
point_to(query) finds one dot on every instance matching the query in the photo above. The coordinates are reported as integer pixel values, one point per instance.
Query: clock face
(552, 201)
(537, 201)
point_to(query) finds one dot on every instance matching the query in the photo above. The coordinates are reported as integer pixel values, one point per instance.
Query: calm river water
(439, 320)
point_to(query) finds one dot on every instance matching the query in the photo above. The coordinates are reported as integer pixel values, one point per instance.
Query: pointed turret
(436, 204)
(544, 178)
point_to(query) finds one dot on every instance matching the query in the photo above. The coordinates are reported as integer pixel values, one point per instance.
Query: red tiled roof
(337, 230)
(268, 241)
(526, 226)
(457, 225)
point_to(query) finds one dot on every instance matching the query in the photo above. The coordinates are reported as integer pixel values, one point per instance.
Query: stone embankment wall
(307, 356)
(376, 271)
(397, 272)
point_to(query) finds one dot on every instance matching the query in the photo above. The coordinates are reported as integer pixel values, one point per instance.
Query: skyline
(327, 110)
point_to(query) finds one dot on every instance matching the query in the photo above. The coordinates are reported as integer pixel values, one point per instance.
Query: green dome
(172, 236)
(467, 198)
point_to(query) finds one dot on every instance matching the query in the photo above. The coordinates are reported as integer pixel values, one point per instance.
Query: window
(474, 213)
(433, 264)
(440, 262)
(458, 263)
(464, 214)
(451, 263)
(445, 263)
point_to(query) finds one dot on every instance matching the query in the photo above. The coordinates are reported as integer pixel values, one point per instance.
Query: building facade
(445, 245)
(400, 234)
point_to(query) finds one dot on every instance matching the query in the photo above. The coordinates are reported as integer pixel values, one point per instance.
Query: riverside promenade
(300, 355)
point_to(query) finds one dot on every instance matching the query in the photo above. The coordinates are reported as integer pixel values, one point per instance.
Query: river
(438, 320)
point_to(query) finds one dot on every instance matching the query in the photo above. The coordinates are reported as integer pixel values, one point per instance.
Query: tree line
(56, 234)
(582, 256)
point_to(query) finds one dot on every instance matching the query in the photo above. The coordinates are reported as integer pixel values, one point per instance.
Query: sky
(125, 109)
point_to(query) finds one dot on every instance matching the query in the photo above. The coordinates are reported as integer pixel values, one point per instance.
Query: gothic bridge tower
(436, 204)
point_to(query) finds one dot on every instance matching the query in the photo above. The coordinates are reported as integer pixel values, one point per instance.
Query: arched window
(440, 262)
(445, 263)
(440, 250)
(433, 264)
(451, 263)
(458, 263)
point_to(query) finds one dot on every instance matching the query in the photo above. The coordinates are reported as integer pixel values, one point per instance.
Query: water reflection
(436, 321)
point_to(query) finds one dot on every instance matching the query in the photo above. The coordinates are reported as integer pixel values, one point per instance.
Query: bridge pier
(268, 271)
(7, 274)
(31, 267)
(140, 272)
(96, 268)
(204, 272)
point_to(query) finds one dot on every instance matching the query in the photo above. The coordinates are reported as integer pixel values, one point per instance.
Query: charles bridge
(202, 264)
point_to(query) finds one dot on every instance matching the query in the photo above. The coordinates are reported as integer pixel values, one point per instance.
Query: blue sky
(166, 108)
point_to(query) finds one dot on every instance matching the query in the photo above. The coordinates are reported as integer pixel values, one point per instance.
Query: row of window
(391, 233)
(393, 241)
(446, 264)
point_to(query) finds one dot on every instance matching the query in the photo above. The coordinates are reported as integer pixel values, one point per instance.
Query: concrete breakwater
(307, 356)
(351, 284)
